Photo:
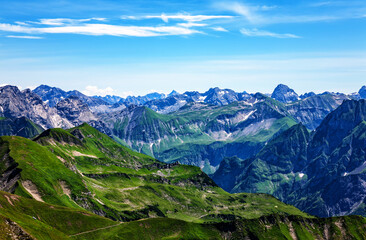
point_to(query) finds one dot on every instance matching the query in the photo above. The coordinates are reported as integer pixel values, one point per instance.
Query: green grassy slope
(29, 219)
(130, 186)
(82, 169)
(45, 221)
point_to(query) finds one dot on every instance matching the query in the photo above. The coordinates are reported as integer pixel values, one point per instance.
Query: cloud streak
(102, 29)
(262, 15)
(186, 17)
(24, 37)
(262, 33)
(185, 25)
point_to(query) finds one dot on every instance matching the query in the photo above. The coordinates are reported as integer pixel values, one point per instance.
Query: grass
(125, 185)
(179, 201)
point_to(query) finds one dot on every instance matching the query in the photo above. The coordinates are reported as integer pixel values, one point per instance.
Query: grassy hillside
(75, 173)
(29, 219)
(127, 185)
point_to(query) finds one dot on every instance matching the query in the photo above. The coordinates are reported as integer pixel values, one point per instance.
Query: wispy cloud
(261, 15)
(24, 37)
(246, 11)
(186, 17)
(101, 29)
(219, 29)
(66, 21)
(184, 24)
(262, 33)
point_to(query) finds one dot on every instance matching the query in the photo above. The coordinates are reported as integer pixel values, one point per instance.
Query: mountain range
(245, 142)
(321, 172)
(227, 133)
(79, 183)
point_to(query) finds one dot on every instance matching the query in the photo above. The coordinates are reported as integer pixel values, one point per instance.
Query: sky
(137, 47)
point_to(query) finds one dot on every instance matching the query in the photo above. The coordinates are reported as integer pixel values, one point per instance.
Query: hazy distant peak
(284, 94)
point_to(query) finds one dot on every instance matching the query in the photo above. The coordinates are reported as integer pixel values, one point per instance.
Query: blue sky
(136, 47)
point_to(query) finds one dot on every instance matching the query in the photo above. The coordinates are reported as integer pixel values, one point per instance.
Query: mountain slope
(322, 173)
(22, 218)
(276, 169)
(19, 127)
(311, 110)
(84, 169)
(200, 134)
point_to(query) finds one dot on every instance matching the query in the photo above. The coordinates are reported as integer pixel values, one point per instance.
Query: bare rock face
(75, 111)
(10, 171)
(15, 103)
(284, 94)
(52, 96)
(14, 231)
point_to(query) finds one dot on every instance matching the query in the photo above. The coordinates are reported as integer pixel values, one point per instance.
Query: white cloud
(219, 29)
(24, 37)
(31, 87)
(102, 29)
(22, 23)
(186, 17)
(125, 94)
(244, 10)
(95, 91)
(261, 33)
(65, 21)
(259, 14)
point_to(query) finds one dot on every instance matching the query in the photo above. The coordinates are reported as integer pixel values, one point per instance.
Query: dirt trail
(94, 230)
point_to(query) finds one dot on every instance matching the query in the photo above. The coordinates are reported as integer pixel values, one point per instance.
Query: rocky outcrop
(52, 96)
(75, 111)
(284, 94)
(15, 103)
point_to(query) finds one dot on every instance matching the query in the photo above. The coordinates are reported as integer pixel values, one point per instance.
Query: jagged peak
(362, 92)
(172, 93)
(284, 94)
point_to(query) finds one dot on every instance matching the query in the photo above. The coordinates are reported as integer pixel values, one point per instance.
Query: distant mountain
(15, 103)
(172, 93)
(74, 110)
(313, 109)
(110, 99)
(53, 95)
(306, 95)
(141, 100)
(214, 96)
(362, 92)
(199, 133)
(322, 173)
(284, 94)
